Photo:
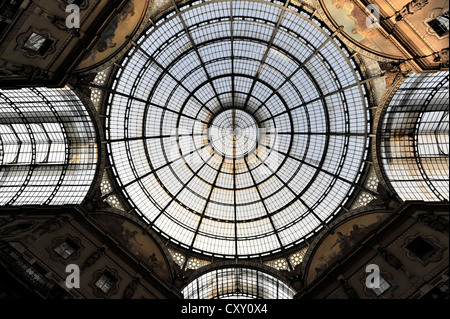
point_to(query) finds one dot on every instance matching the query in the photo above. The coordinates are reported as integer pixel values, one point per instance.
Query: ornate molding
(50, 226)
(93, 258)
(23, 37)
(433, 241)
(393, 261)
(4, 221)
(10, 69)
(18, 230)
(435, 222)
(59, 240)
(62, 4)
(114, 288)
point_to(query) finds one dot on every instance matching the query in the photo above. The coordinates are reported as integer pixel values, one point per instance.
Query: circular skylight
(233, 133)
(237, 128)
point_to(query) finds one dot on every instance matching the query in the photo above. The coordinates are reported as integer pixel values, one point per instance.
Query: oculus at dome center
(238, 131)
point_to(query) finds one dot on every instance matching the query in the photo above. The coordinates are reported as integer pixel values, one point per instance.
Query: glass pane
(234, 137)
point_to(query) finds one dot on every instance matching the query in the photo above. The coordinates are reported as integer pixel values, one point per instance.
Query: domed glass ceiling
(237, 128)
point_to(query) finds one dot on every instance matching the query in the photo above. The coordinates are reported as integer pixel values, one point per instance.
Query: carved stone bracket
(62, 4)
(15, 70)
(436, 222)
(49, 226)
(131, 288)
(393, 261)
(93, 258)
(22, 38)
(17, 230)
(410, 8)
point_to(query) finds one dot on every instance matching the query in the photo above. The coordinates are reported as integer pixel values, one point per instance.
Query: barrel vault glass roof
(237, 283)
(238, 128)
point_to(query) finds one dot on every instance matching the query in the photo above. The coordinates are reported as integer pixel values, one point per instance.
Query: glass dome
(238, 128)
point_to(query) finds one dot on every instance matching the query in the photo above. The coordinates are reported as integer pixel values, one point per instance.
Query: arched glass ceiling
(237, 283)
(414, 146)
(237, 128)
(48, 147)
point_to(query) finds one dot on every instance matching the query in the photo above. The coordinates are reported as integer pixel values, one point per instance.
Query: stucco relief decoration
(431, 16)
(410, 8)
(62, 4)
(43, 37)
(58, 241)
(434, 256)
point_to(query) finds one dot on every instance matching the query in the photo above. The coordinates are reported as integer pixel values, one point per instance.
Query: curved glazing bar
(415, 138)
(237, 283)
(238, 128)
(48, 148)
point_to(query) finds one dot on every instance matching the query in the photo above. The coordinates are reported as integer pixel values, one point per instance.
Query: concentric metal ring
(281, 72)
(234, 134)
